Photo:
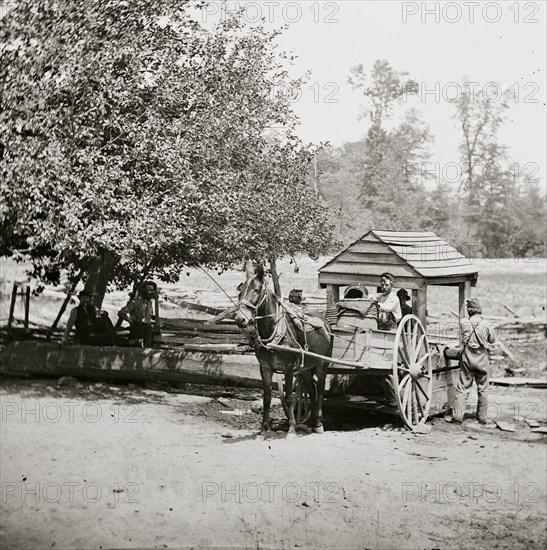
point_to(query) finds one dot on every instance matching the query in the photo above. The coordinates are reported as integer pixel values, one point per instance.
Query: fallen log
(39, 358)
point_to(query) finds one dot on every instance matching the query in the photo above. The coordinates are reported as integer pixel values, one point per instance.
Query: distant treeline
(481, 202)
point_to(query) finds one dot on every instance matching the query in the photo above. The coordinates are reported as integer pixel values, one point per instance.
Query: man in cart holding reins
(476, 334)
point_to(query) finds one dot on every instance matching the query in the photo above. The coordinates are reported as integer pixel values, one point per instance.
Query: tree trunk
(99, 274)
(275, 277)
(69, 294)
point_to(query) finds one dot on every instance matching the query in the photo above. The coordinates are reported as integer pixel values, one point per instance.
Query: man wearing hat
(138, 312)
(388, 303)
(92, 327)
(403, 301)
(476, 335)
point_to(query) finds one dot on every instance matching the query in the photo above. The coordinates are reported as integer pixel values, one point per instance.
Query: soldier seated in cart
(388, 303)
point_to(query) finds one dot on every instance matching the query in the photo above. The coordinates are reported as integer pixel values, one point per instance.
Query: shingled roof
(415, 258)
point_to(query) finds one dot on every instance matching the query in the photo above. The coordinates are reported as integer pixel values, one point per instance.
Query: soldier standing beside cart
(476, 334)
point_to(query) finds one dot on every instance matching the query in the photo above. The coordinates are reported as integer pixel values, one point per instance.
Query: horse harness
(282, 329)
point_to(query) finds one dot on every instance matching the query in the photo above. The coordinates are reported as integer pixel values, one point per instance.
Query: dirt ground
(98, 465)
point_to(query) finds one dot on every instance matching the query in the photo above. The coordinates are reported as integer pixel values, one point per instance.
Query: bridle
(280, 327)
(254, 307)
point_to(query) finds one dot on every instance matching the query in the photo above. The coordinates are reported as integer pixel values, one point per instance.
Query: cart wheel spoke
(414, 406)
(414, 337)
(405, 399)
(423, 358)
(408, 408)
(404, 356)
(422, 390)
(418, 401)
(419, 346)
(403, 383)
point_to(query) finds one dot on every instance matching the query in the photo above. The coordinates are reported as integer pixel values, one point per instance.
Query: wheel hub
(416, 371)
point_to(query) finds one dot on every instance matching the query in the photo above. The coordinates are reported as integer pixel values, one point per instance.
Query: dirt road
(99, 466)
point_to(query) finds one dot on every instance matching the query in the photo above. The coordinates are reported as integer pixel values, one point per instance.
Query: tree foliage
(392, 191)
(132, 132)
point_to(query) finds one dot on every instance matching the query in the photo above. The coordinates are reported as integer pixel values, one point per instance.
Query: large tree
(131, 134)
(479, 116)
(392, 190)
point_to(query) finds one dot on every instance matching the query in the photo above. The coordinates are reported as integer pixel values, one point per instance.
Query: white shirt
(389, 302)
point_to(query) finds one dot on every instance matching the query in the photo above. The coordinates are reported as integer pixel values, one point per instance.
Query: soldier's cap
(474, 303)
(388, 276)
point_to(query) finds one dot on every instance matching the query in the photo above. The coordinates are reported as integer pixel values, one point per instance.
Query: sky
(440, 44)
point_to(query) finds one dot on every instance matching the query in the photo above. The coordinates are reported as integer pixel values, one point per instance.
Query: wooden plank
(357, 365)
(419, 304)
(451, 281)
(383, 233)
(370, 258)
(375, 368)
(218, 348)
(333, 296)
(195, 307)
(431, 256)
(199, 327)
(129, 364)
(446, 272)
(342, 279)
(370, 269)
(369, 247)
(181, 339)
(519, 381)
(411, 240)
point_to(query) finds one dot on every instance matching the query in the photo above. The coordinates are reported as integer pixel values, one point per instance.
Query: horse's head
(251, 295)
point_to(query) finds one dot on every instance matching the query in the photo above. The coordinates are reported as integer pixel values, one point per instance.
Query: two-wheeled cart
(408, 363)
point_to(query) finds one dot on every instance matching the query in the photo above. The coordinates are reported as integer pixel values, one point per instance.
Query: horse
(261, 309)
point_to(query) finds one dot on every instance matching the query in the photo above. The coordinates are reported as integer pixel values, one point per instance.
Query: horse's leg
(321, 377)
(310, 386)
(266, 375)
(289, 379)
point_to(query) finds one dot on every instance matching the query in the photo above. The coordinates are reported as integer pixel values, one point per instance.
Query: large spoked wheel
(412, 372)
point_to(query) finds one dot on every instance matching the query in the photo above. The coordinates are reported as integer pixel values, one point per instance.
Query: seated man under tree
(138, 312)
(92, 326)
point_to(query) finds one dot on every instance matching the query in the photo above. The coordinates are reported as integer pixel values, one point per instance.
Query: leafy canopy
(128, 127)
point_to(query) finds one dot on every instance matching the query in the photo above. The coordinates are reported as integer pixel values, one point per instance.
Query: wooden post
(27, 305)
(333, 296)
(12, 305)
(464, 294)
(419, 304)
(157, 308)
